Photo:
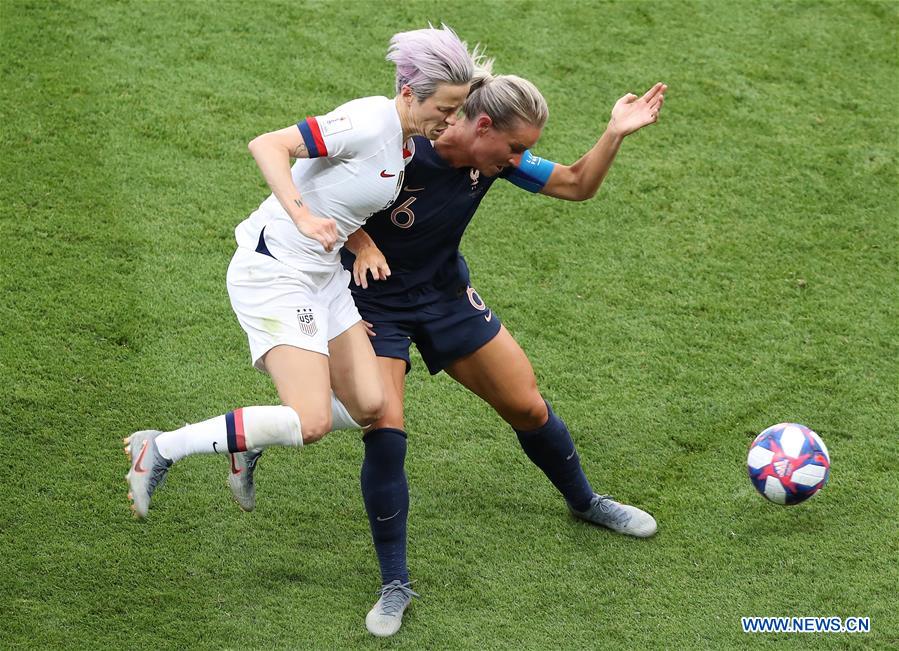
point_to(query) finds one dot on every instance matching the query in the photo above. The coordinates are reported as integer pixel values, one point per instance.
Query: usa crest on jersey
(306, 319)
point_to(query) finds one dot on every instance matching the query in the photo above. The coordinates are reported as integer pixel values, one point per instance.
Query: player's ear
(407, 94)
(483, 124)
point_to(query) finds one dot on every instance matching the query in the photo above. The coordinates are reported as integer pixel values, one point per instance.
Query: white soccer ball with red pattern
(788, 463)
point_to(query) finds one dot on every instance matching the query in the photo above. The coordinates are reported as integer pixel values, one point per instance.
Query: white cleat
(622, 518)
(386, 616)
(148, 469)
(240, 479)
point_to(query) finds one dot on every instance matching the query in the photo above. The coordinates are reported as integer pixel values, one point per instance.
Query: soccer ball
(788, 463)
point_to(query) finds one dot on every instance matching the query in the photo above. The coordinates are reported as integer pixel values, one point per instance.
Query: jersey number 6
(401, 216)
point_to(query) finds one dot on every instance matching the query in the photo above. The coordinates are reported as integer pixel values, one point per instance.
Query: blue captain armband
(532, 172)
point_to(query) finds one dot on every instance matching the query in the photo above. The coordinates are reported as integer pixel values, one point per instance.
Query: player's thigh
(303, 382)
(393, 375)
(501, 374)
(355, 375)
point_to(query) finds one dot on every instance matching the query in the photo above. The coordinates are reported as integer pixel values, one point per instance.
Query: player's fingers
(369, 328)
(652, 92)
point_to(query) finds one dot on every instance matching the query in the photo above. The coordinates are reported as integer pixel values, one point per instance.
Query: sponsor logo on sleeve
(334, 124)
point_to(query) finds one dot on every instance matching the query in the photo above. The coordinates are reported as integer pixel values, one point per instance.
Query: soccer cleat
(386, 616)
(148, 469)
(240, 479)
(622, 518)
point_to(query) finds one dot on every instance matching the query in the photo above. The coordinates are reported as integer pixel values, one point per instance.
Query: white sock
(340, 417)
(237, 431)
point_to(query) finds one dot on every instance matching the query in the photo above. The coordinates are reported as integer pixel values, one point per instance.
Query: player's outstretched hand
(631, 113)
(321, 229)
(370, 259)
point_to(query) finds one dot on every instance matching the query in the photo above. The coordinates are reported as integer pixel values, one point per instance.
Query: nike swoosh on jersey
(385, 175)
(408, 189)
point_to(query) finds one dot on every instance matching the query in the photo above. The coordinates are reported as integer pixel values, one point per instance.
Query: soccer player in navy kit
(421, 293)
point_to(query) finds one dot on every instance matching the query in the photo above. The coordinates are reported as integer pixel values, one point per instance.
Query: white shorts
(277, 304)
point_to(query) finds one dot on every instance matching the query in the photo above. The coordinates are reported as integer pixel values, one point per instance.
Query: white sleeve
(339, 134)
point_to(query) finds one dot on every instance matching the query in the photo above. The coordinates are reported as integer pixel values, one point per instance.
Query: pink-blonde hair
(425, 58)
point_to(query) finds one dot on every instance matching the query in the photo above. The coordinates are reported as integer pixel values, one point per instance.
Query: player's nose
(515, 160)
(450, 119)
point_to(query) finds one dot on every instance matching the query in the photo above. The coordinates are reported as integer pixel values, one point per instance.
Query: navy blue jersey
(420, 232)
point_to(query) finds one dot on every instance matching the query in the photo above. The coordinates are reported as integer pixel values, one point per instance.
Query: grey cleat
(622, 518)
(240, 479)
(386, 616)
(148, 469)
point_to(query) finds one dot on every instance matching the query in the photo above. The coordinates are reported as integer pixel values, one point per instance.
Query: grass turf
(738, 269)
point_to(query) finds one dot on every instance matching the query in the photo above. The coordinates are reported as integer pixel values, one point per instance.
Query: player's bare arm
(273, 152)
(369, 258)
(582, 180)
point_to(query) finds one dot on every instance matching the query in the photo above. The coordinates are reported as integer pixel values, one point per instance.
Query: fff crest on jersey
(306, 319)
(475, 177)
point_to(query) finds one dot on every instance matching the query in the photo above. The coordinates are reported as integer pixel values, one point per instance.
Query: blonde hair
(505, 99)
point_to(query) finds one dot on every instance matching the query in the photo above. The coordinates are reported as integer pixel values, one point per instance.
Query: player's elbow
(586, 193)
(573, 187)
(577, 192)
(255, 144)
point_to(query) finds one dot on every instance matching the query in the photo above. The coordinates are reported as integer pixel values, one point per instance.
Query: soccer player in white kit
(286, 282)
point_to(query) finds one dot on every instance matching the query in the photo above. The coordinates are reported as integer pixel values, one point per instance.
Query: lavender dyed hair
(425, 58)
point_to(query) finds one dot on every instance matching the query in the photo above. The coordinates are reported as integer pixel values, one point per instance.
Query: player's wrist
(614, 131)
(300, 214)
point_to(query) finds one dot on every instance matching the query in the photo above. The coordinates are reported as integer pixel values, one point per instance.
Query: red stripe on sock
(239, 437)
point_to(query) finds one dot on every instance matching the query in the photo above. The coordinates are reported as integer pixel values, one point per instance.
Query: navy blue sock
(550, 447)
(386, 495)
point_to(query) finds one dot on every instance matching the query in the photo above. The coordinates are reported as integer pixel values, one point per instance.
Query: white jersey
(354, 169)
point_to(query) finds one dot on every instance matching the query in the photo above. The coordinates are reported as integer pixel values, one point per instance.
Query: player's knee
(314, 426)
(370, 409)
(530, 413)
(392, 417)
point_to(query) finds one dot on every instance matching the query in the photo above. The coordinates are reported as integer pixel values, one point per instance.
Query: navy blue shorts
(443, 327)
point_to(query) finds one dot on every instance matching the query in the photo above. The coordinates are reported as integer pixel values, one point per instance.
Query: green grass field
(738, 269)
